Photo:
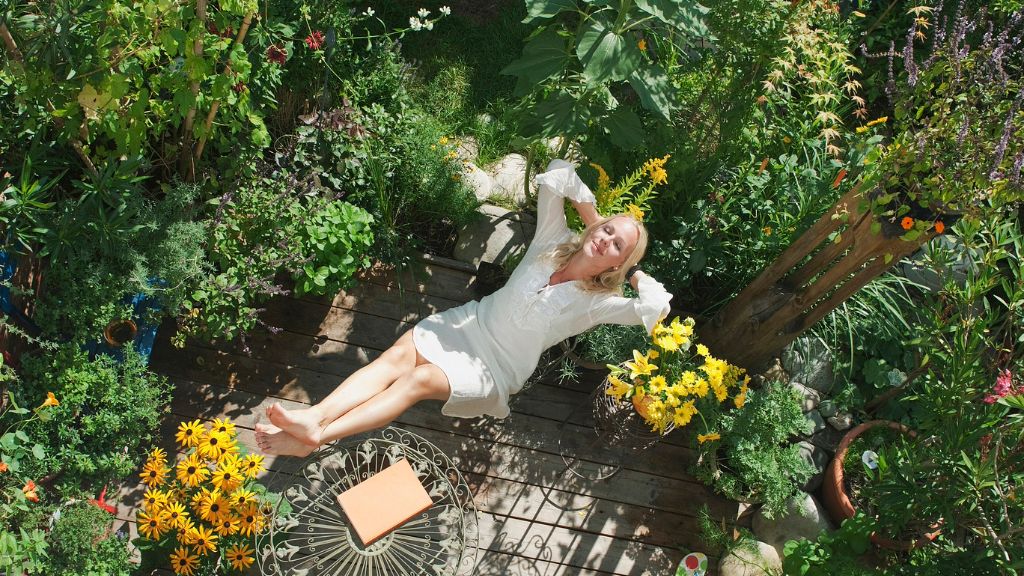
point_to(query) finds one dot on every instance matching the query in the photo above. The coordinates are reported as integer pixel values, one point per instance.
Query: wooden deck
(535, 519)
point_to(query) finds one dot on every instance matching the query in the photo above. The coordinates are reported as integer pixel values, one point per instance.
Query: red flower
(939, 227)
(30, 491)
(907, 223)
(276, 54)
(315, 40)
(239, 87)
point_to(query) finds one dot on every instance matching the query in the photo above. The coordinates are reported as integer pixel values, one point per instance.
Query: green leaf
(654, 89)
(624, 128)
(38, 452)
(540, 9)
(685, 16)
(543, 57)
(606, 55)
(560, 114)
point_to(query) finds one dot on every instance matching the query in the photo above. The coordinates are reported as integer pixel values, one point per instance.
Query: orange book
(384, 501)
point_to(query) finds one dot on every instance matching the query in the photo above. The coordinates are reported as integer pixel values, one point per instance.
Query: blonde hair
(609, 280)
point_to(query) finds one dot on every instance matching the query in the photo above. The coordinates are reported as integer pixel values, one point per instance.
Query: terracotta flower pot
(120, 332)
(641, 405)
(837, 501)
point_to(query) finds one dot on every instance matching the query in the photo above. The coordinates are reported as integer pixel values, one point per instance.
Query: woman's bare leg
(307, 424)
(425, 382)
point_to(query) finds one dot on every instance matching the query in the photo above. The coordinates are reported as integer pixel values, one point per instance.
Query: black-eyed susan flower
(203, 540)
(252, 465)
(185, 526)
(213, 444)
(226, 477)
(183, 562)
(151, 525)
(225, 426)
(227, 526)
(154, 500)
(190, 433)
(192, 471)
(250, 520)
(240, 556)
(153, 476)
(158, 455)
(214, 507)
(241, 498)
(175, 514)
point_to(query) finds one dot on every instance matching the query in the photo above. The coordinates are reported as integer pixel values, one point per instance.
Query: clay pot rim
(109, 330)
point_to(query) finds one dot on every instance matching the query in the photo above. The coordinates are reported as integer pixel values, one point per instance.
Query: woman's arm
(587, 211)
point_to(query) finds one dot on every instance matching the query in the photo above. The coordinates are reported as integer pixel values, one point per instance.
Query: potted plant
(835, 493)
(748, 455)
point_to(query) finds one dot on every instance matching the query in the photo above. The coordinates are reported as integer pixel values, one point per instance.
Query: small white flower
(423, 12)
(870, 459)
(370, 12)
(446, 11)
(429, 25)
(415, 23)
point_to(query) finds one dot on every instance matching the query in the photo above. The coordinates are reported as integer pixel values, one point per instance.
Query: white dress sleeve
(557, 183)
(651, 306)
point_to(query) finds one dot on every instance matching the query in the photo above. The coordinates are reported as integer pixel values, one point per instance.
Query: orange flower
(907, 223)
(30, 491)
(939, 227)
(764, 164)
(839, 178)
(51, 400)
(3, 467)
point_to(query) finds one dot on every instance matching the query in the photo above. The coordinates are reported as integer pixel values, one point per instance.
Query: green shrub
(754, 460)
(336, 238)
(107, 412)
(81, 544)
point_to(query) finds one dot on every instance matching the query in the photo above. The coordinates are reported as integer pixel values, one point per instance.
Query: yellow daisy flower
(192, 471)
(227, 526)
(151, 525)
(203, 540)
(241, 498)
(153, 476)
(175, 514)
(252, 465)
(225, 426)
(226, 477)
(250, 520)
(154, 500)
(240, 556)
(183, 562)
(213, 444)
(190, 433)
(214, 507)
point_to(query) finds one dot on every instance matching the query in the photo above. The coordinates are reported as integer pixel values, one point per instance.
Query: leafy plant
(336, 238)
(81, 543)
(833, 553)
(23, 208)
(106, 411)
(748, 454)
(577, 65)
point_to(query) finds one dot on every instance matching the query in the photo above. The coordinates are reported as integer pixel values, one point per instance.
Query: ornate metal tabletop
(309, 534)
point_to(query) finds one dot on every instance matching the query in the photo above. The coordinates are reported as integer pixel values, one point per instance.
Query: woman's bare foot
(273, 440)
(303, 425)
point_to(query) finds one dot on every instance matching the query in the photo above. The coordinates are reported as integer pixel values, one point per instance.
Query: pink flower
(1002, 389)
(315, 40)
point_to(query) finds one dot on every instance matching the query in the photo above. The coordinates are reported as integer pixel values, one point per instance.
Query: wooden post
(807, 281)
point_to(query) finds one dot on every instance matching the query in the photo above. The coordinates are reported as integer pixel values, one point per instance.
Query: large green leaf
(685, 15)
(540, 9)
(561, 114)
(543, 57)
(654, 88)
(624, 128)
(604, 54)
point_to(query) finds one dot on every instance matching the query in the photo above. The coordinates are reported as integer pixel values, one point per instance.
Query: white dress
(488, 349)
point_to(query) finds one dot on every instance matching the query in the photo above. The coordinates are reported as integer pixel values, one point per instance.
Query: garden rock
(817, 423)
(827, 408)
(809, 362)
(467, 148)
(818, 459)
(804, 517)
(828, 439)
(508, 174)
(776, 372)
(840, 421)
(478, 181)
(755, 559)
(964, 261)
(495, 237)
(809, 397)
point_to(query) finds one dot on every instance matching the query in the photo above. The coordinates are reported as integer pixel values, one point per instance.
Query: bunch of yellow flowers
(685, 381)
(208, 507)
(631, 195)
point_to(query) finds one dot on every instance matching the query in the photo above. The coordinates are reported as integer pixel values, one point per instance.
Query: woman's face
(608, 245)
